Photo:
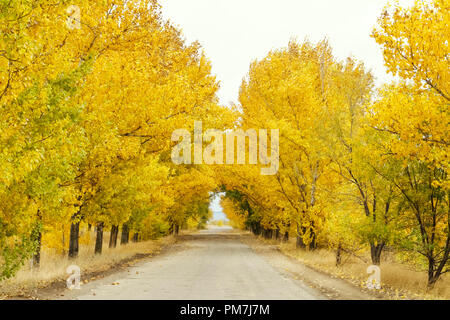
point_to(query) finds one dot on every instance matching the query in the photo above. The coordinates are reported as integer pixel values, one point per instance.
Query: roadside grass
(399, 280)
(54, 264)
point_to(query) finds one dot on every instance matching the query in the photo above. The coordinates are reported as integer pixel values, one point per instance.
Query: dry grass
(400, 281)
(53, 265)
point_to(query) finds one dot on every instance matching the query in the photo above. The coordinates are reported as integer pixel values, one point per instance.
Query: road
(213, 264)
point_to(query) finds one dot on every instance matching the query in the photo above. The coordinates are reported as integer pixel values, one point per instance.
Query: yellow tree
(163, 85)
(290, 90)
(349, 147)
(40, 136)
(414, 116)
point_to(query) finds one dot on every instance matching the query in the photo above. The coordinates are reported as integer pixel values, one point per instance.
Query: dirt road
(217, 264)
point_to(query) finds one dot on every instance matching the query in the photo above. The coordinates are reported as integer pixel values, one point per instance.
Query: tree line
(360, 167)
(86, 116)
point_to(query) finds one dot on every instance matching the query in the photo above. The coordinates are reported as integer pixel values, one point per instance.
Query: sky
(234, 33)
(216, 208)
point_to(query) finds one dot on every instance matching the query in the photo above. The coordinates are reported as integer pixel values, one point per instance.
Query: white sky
(216, 208)
(233, 33)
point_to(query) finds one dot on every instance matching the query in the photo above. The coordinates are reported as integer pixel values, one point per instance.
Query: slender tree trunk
(73, 239)
(433, 273)
(125, 234)
(136, 237)
(63, 240)
(375, 252)
(37, 236)
(256, 228)
(313, 243)
(99, 239)
(37, 253)
(286, 236)
(113, 236)
(299, 241)
(432, 281)
(339, 255)
(277, 234)
(176, 229)
(116, 235)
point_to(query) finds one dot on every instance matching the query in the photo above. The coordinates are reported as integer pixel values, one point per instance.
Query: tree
(413, 116)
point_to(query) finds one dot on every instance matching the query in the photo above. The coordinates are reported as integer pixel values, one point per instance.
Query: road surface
(213, 264)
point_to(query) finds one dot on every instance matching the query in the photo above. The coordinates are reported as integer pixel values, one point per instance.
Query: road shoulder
(331, 287)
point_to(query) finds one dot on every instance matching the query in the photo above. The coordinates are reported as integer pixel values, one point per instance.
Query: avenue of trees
(87, 114)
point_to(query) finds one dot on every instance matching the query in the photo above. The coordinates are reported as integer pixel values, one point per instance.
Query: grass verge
(29, 283)
(399, 281)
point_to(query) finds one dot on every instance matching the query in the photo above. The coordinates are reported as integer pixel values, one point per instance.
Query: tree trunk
(113, 236)
(99, 239)
(286, 236)
(136, 237)
(277, 234)
(299, 242)
(375, 252)
(63, 240)
(125, 234)
(37, 253)
(37, 236)
(116, 234)
(432, 281)
(176, 230)
(256, 228)
(313, 243)
(73, 240)
(339, 255)
(431, 274)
